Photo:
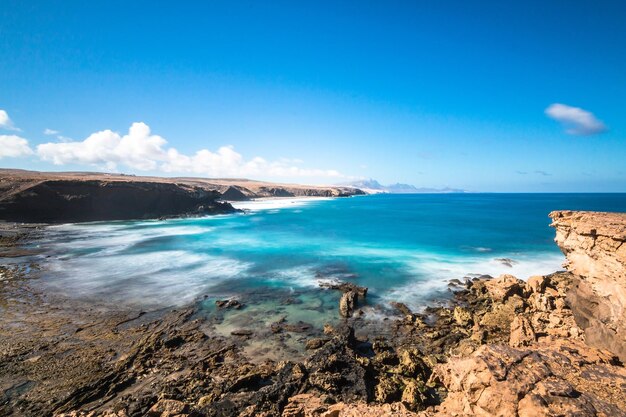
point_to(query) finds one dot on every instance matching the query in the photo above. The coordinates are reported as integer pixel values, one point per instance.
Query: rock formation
(44, 197)
(349, 299)
(80, 201)
(595, 247)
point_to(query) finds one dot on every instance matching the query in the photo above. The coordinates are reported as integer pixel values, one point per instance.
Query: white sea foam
(433, 273)
(299, 276)
(159, 278)
(276, 203)
(111, 239)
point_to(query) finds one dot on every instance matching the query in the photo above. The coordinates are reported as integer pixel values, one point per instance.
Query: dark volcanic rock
(233, 193)
(345, 287)
(80, 201)
(334, 369)
(402, 308)
(228, 304)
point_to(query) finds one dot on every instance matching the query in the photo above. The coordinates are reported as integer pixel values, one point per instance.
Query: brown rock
(316, 343)
(402, 308)
(541, 302)
(304, 405)
(347, 303)
(307, 405)
(595, 246)
(563, 378)
(345, 287)
(388, 389)
(522, 333)
(167, 408)
(537, 283)
(503, 287)
(463, 317)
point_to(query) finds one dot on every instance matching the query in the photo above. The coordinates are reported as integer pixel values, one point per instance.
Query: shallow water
(403, 247)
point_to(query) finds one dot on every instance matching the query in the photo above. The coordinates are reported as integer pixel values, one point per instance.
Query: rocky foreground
(46, 197)
(502, 347)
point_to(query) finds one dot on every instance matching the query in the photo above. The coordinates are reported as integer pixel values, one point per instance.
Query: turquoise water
(403, 247)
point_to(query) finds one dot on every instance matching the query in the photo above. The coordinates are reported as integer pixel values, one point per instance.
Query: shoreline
(275, 203)
(47, 197)
(117, 351)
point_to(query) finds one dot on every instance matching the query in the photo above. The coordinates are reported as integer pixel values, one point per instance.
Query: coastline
(120, 361)
(65, 197)
(275, 203)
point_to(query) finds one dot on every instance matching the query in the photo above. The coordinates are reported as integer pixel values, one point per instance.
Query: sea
(274, 254)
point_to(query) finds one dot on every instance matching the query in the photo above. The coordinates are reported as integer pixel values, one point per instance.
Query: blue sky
(432, 93)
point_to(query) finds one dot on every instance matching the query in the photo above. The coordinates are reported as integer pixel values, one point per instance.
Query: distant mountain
(373, 186)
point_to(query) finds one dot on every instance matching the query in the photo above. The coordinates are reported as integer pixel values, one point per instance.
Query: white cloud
(575, 120)
(6, 122)
(51, 132)
(141, 150)
(138, 149)
(12, 146)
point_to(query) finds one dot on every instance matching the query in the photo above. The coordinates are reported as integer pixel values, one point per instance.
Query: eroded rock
(595, 247)
(347, 303)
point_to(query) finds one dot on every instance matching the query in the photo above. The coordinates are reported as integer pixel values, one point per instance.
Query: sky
(485, 96)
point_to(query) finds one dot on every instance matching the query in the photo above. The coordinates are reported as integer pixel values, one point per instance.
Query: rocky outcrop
(347, 303)
(81, 201)
(45, 197)
(560, 378)
(349, 299)
(595, 247)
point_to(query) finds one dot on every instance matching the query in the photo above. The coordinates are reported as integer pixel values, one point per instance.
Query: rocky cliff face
(595, 247)
(79, 201)
(49, 197)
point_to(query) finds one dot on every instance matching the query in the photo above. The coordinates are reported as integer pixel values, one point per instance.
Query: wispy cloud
(544, 173)
(61, 138)
(6, 123)
(536, 172)
(141, 150)
(51, 132)
(575, 120)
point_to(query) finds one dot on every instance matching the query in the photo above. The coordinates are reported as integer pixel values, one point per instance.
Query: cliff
(80, 201)
(41, 197)
(594, 244)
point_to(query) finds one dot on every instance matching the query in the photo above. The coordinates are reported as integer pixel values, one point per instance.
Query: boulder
(503, 287)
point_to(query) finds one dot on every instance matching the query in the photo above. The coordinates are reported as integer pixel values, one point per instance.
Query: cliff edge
(56, 197)
(595, 246)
